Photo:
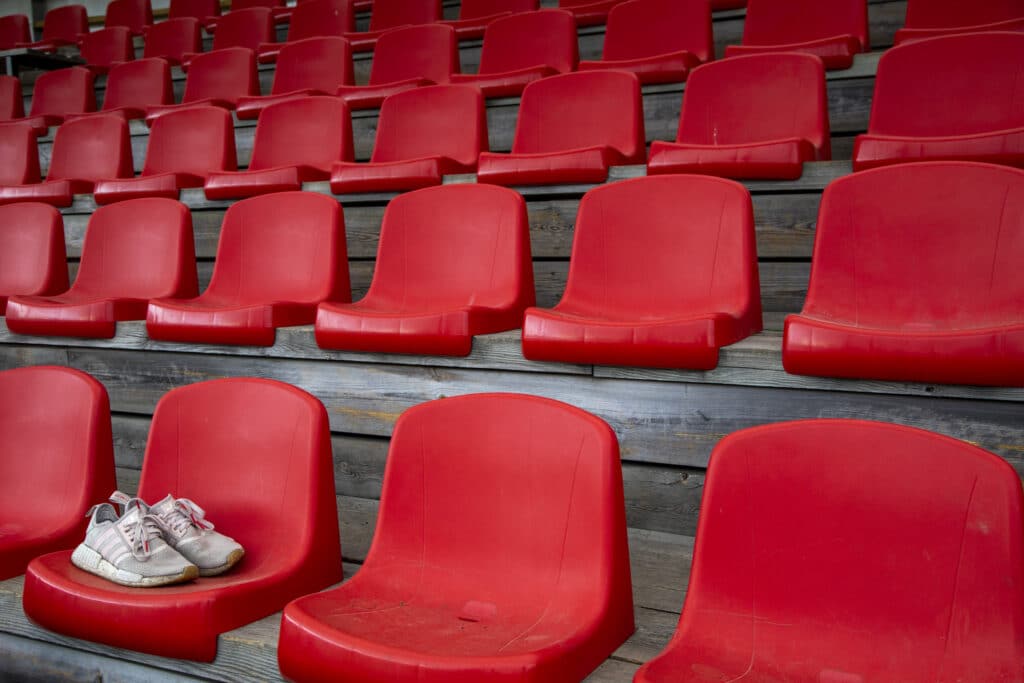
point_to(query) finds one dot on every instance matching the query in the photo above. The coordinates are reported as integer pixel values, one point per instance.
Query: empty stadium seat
(296, 142)
(804, 572)
(314, 66)
(417, 142)
(279, 256)
(476, 15)
(11, 101)
(184, 148)
(389, 14)
(757, 116)
(466, 580)
(256, 454)
(85, 151)
(916, 277)
(201, 10)
(245, 28)
(56, 460)
(133, 252)
(135, 15)
(59, 93)
(976, 114)
(930, 18)
(523, 48)
(316, 19)
(406, 58)
(571, 128)
(133, 87)
(453, 262)
(274, 6)
(658, 40)
(589, 12)
(834, 31)
(107, 47)
(32, 259)
(219, 79)
(14, 30)
(61, 26)
(20, 152)
(663, 273)
(173, 39)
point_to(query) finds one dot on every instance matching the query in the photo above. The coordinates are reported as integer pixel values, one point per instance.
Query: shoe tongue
(133, 515)
(164, 506)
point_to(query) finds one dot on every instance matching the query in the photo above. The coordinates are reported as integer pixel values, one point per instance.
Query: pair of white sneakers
(153, 545)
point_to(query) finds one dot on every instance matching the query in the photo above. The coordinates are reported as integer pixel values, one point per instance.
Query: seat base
(396, 176)
(372, 96)
(209, 322)
(66, 316)
(667, 68)
(504, 84)
(59, 193)
(773, 159)
(999, 147)
(360, 328)
(241, 184)
(166, 185)
(250, 107)
(836, 52)
(153, 113)
(588, 165)
(468, 29)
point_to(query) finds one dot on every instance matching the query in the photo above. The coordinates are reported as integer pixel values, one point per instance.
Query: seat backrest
(11, 101)
(244, 28)
(314, 63)
(14, 29)
(225, 74)
(454, 246)
(452, 507)
(757, 98)
(309, 131)
(545, 37)
(64, 91)
(428, 51)
(476, 9)
(32, 257)
(418, 123)
(66, 23)
(256, 455)
(199, 141)
(107, 47)
(173, 38)
(197, 9)
(139, 84)
(980, 75)
(20, 152)
(908, 559)
(923, 246)
(138, 249)
(393, 13)
(956, 13)
(321, 18)
(237, 5)
(91, 148)
(135, 15)
(585, 109)
(665, 245)
(288, 246)
(645, 28)
(770, 22)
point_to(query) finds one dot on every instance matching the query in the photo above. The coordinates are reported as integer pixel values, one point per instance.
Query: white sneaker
(186, 529)
(129, 550)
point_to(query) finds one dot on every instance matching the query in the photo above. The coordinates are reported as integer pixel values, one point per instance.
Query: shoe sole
(87, 559)
(233, 559)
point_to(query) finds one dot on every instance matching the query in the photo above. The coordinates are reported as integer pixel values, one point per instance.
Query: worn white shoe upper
(186, 529)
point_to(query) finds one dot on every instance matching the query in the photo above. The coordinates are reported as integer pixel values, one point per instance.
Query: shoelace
(145, 529)
(187, 514)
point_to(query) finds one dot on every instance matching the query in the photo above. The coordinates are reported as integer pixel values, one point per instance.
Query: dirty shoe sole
(87, 559)
(233, 559)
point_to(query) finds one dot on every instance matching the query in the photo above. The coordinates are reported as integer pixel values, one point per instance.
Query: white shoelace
(186, 514)
(144, 530)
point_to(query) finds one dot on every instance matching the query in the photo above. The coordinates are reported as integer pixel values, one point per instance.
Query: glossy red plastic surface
(135, 15)
(931, 18)
(969, 118)
(949, 314)
(133, 252)
(32, 260)
(663, 273)
(248, 28)
(20, 153)
(571, 128)
(802, 574)
(133, 87)
(465, 581)
(834, 31)
(173, 39)
(314, 66)
(256, 454)
(218, 79)
(589, 12)
(84, 151)
(59, 93)
(61, 26)
(389, 14)
(202, 10)
(727, 4)
(658, 40)
(56, 460)
(315, 19)
(104, 48)
(406, 58)
(452, 262)
(759, 116)
(11, 101)
(14, 31)
(476, 15)
(417, 142)
(523, 48)
(296, 142)
(279, 256)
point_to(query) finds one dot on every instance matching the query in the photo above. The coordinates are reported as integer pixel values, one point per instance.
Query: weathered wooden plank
(613, 670)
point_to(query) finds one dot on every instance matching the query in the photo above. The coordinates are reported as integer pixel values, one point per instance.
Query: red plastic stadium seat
(59, 93)
(173, 39)
(916, 278)
(279, 256)
(417, 142)
(571, 128)
(32, 260)
(970, 117)
(314, 66)
(759, 116)
(718, 5)
(14, 30)
(801, 573)
(389, 14)
(248, 28)
(11, 101)
(835, 30)
(61, 26)
(523, 48)
(85, 151)
(107, 47)
(296, 142)
(133, 87)
(465, 581)
(658, 40)
(133, 252)
(453, 262)
(56, 460)
(218, 79)
(202, 10)
(135, 15)
(406, 58)
(184, 148)
(20, 152)
(316, 19)
(663, 273)
(930, 18)
(257, 454)
(589, 12)
(476, 15)
(274, 6)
